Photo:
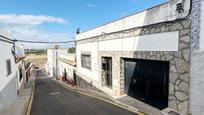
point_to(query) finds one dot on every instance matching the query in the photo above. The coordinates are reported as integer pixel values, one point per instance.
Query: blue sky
(57, 20)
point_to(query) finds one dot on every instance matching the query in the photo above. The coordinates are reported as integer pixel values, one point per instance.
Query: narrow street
(52, 99)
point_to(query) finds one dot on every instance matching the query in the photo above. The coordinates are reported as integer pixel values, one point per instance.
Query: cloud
(26, 27)
(135, 1)
(90, 5)
(34, 34)
(13, 19)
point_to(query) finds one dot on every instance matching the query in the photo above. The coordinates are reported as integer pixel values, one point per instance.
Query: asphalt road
(52, 99)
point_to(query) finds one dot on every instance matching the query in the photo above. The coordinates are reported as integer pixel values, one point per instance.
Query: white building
(150, 56)
(11, 81)
(67, 67)
(197, 59)
(51, 65)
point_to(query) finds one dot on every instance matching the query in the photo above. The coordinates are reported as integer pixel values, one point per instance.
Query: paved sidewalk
(19, 106)
(126, 102)
(139, 105)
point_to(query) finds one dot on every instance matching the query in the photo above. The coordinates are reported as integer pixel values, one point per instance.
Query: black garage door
(147, 81)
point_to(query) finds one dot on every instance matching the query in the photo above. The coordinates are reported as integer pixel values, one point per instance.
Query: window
(8, 66)
(86, 61)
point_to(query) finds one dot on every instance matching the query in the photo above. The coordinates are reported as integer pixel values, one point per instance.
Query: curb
(29, 105)
(118, 104)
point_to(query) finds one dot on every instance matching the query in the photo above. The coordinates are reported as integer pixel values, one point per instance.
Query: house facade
(11, 81)
(149, 56)
(67, 67)
(52, 62)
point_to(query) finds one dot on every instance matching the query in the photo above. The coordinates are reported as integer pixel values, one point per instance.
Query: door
(147, 81)
(65, 74)
(107, 71)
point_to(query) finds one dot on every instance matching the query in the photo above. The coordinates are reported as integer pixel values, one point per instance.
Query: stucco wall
(91, 48)
(197, 83)
(178, 56)
(140, 36)
(161, 13)
(168, 41)
(51, 59)
(9, 93)
(8, 83)
(197, 59)
(69, 69)
(202, 26)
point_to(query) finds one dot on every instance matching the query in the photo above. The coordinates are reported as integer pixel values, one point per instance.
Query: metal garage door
(147, 81)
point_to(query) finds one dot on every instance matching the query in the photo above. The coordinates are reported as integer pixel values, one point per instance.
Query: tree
(72, 50)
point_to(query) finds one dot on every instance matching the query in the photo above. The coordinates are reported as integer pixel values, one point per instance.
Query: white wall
(69, 69)
(167, 41)
(202, 27)
(51, 59)
(197, 83)
(8, 84)
(6, 54)
(197, 73)
(92, 48)
(162, 13)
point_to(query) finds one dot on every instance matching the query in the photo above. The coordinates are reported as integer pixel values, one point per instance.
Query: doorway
(107, 71)
(148, 81)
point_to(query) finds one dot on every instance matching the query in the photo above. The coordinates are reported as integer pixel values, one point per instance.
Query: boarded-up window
(8, 66)
(86, 61)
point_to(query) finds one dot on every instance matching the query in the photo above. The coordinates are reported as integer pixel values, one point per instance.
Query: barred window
(8, 66)
(86, 61)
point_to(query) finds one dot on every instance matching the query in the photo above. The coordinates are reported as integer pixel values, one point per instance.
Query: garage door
(147, 81)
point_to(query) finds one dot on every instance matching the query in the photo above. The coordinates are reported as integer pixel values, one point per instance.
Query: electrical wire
(9, 40)
(44, 42)
(6, 39)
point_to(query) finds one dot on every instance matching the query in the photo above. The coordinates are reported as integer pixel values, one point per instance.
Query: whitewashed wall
(197, 72)
(8, 84)
(69, 70)
(167, 41)
(6, 54)
(202, 26)
(51, 59)
(197, 83)
(92, 48)
(162, 13)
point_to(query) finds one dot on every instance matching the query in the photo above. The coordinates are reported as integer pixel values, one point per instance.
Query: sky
(57, 20)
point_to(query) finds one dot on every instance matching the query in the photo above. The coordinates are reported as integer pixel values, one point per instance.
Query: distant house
(155, 56)
(67, 68)
(11, 69)
(52, 62)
